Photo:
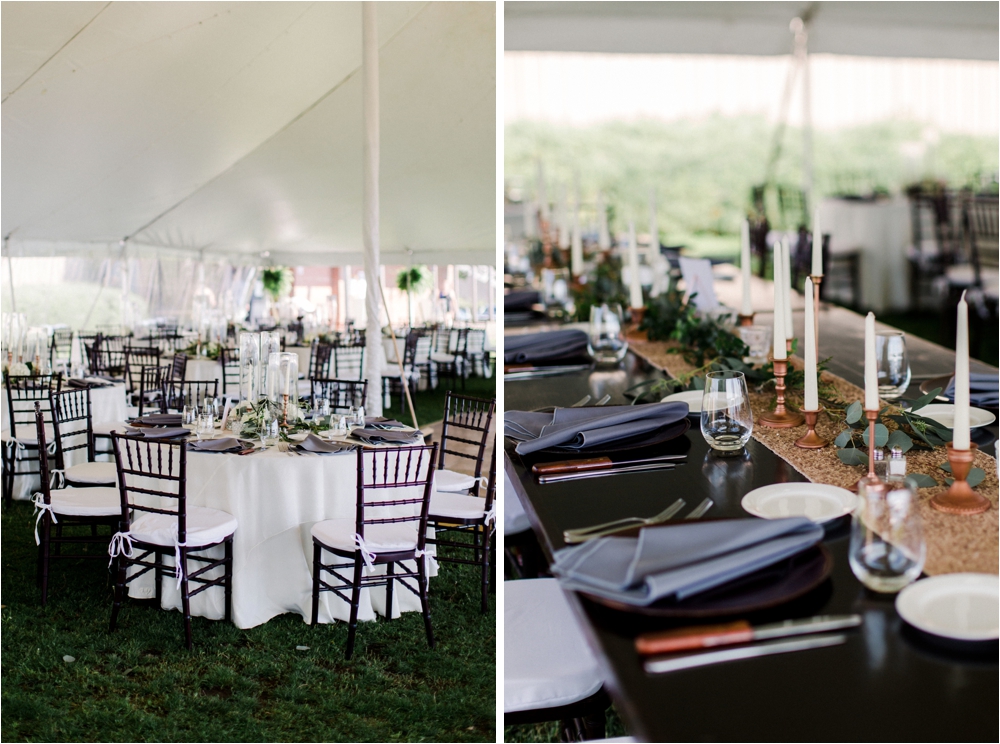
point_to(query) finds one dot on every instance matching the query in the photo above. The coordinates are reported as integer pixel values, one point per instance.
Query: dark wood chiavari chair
(320, 355)
(189, 392)
(141, 540)
(137, 357)
(348, 362)
(229, 360)
(20, 452)
(73, 431)
(178, 368)
(342, 394)
(372, 538)
(68, 507)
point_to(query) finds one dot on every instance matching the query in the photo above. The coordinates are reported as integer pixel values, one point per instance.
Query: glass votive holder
(758, 339)
(726, 418)
(887, 548)
(892, 364)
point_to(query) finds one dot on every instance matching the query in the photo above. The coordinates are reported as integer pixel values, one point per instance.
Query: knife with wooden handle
(708, 636)
(594, 463)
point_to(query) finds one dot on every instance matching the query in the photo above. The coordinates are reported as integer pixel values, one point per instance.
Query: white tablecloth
(106, 404)
(882, 232)
(203, 369)
(276, 498)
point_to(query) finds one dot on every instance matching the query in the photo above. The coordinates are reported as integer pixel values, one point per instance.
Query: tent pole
(370, 205)
(399, 360)
(10, 272)
(802, 44)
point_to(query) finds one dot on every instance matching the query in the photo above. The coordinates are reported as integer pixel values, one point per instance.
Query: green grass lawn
(139, 684)
(429, 404)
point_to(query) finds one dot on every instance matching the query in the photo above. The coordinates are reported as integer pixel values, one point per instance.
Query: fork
(583, 534)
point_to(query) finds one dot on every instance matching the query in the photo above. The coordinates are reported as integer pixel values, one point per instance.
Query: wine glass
(606, 341)
(887, 549)
(726, 418)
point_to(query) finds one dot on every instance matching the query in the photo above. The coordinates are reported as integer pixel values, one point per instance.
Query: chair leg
(390, 568)
(116, 606)
(424, 605)
(44, 547)
(352, 627)
(317, 555)
(229, 579)
(158, 579)
(485, 567)
(185, 600)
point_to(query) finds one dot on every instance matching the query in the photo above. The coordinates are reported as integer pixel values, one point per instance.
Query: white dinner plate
(944, 413)
(691, 397)
(298, 436)
(817, 501)
(963, 606)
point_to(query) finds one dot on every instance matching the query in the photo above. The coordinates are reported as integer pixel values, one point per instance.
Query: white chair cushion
(104, 429)
(86, 502)
(451, 482)
(514, 518)
(204, 527)
(379, 538)
(100, 473)
(457, 506)
(442, 358)
(26, 433)
(963, 275)
(547, 662)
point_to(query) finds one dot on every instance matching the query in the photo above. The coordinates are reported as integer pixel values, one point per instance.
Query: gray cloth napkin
(680, 561)
(984, 390)
(312, 443)
(168, 433)
(380, 422)
(225, 444)
(580, 428)
(377, 436)
(549, 346)
(161, 419)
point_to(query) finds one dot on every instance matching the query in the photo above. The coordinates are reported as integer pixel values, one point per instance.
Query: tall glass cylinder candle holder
(282, 382)
(249, 366)
(270, 343)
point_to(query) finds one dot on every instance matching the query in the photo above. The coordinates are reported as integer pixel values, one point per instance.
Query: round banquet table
(276, 498)
(106, 404)
(198, 368)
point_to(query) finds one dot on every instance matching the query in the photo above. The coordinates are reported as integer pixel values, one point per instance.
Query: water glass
(726, 418)
(887, 549)
(606, 340)
(206, 425)
(893, 364)
(188, 415)
(758, 339)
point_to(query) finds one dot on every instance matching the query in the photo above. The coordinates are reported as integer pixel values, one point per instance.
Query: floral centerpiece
(255, 418)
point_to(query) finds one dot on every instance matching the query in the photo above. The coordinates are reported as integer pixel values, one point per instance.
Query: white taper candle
(812, 388)
(817, 254)
(871, 367)
(786, 285)
(635, 286)
(779, 312)
(960, 439)
(747, 306)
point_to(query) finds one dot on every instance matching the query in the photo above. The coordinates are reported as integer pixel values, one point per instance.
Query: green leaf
(923, 400)
(975, 477)
(919, 480)
(698, 383)
(843, 438)
(945, 466)
(854, 412)
(852, 456)
(881, 435)
(900, 439)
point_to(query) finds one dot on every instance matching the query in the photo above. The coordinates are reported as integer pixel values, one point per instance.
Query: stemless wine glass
(726, 418)
(188, 415)
(887, 549)
(206, 426)
(892, 364)
(606, 340)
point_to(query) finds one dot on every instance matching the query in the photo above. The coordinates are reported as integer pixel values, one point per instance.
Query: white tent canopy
(953, 30)
(235, 130)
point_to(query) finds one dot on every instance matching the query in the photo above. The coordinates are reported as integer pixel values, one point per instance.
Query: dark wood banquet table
(888, 682)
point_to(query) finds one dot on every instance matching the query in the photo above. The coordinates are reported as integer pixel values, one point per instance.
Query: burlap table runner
(954, 543)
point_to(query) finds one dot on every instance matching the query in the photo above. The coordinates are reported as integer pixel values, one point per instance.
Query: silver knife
(606, 471)
(690, 661)
(533, 372)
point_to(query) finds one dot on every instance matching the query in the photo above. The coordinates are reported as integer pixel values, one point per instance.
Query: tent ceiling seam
(296, 118)
(56, 52)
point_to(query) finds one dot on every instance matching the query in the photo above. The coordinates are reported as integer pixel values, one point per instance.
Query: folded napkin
(161, 433)
(680, 561)
(161, 419)
(984, 390)
(377, 436)
(521, 300)
(580, 428)
(547, 347)
(381, 422)
(225, 444)
(312, 443)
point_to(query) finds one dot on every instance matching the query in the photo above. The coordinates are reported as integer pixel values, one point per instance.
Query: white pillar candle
(812, 387)
(635, 286)
(786, 286)
(871, 367)
(779, 313)
(960, 439)
(576, 249)
(603, 235)
(747, 306)
(288, 378)
(817, 254)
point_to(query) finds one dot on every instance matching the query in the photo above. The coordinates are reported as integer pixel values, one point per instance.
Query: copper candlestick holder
(811, 440)
(744, 320)
(817, 279)
(780, 417)
(788, 346)
(870, 479)
(284, 410)
(637, 315)
(960, 498)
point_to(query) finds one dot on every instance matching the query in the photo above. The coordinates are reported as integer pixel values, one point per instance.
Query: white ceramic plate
(298, 436)
(944, 413)
(691, 397)
(964, 606)
(817, 501)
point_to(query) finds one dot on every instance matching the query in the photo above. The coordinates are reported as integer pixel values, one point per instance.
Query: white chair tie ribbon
(180, 566)
(491, 517)
(121, 544)
(57, 478)
(20, 449)
(368, 556)
(51, 447)
(40, 508)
